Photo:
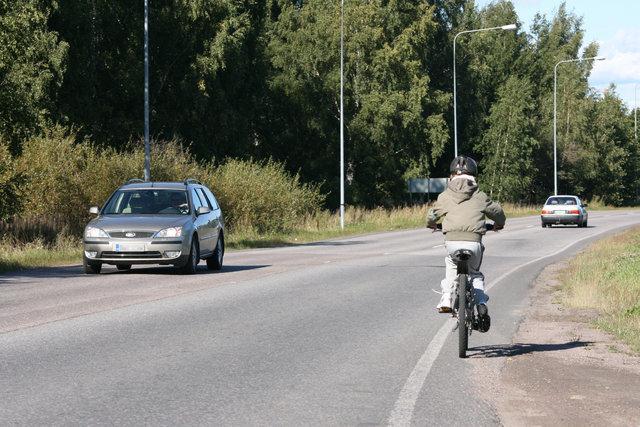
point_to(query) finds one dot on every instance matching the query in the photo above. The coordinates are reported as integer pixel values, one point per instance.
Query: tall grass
(605, 278)
(324, 225)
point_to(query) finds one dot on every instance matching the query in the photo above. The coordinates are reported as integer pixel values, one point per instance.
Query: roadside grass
(325, 225)
(605, 277)
(14, 256)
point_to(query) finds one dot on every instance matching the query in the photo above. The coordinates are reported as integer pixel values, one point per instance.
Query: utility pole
(635, 112)
(147, 149)
(342, 114)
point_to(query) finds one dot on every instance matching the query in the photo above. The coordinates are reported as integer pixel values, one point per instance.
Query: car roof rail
(134, 181)
(191, 181)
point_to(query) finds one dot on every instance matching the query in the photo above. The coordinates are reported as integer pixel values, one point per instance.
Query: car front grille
(125, 255)
(138, 234)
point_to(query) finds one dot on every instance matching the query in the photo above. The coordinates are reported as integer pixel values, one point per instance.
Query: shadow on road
(39, 273)
(170, 270)
(23, 276)
(518, 349)
(280, 243)
(337, 243)
(570, 226)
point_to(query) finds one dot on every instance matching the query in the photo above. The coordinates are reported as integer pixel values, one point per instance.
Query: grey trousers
(477, 278)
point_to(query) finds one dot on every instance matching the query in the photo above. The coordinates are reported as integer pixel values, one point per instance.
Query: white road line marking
(438, 246)
(405, 405)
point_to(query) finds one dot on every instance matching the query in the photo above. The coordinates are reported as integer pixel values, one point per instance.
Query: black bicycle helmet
(463, 165)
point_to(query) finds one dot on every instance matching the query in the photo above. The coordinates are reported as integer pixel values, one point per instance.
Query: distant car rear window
(561, 201)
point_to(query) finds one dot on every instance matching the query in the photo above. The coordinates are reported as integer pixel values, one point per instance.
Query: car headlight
(169, 232)
(95, 232)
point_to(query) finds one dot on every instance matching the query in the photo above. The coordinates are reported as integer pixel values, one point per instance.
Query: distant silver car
(174, 223)
(564, 210)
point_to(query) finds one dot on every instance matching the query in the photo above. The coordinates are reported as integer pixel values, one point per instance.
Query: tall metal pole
(555, 137)
(342, 114)
(147, 149)
(555, 155)
(455, 103)
(635, 112)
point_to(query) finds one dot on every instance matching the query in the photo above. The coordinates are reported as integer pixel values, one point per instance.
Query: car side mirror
(94, 210)
(203, 210)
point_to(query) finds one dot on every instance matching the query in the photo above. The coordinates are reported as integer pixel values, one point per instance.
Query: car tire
(123, 267)
(191, 265)
(91, 267)
(544, 225)
(214, 262)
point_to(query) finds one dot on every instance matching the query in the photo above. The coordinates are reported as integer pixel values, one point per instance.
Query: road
(333, 333)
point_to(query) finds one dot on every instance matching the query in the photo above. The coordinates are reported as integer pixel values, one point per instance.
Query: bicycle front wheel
(463, 332)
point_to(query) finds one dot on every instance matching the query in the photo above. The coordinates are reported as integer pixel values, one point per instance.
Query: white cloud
(619, 67)
(622, 66)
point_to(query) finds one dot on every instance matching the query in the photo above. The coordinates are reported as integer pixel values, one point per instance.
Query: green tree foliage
(484, 62)
(601, 159)
(395, 119)
(259, 79)
(205, 78)
(32, 60)
(508, 145)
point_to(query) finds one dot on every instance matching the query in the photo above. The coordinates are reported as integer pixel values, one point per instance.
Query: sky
(614, 24)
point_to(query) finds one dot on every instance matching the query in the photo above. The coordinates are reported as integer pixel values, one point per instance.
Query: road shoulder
(559, 370)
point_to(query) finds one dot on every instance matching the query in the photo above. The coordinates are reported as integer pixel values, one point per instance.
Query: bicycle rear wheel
(463, 331)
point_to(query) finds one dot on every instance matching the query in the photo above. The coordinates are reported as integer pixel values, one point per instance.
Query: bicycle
(468, 318)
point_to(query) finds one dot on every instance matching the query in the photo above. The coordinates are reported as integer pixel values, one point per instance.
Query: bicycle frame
(463, 308)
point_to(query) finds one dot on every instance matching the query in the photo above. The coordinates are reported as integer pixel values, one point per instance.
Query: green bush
(63, 178)
(8, 182)
(263, 196)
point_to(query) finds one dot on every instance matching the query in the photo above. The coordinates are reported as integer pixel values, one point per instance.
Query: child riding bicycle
(464, 209)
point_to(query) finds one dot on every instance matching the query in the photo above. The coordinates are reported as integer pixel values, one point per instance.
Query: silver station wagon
(168, 223)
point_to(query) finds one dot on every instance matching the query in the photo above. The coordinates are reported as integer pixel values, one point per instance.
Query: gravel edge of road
(559, 369)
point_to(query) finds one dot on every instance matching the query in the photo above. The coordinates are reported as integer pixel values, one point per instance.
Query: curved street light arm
(455, 105)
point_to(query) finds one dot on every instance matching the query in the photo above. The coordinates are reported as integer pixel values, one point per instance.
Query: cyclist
(464, 209)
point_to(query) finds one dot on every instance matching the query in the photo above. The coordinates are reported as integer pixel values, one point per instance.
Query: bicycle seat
(461, 255)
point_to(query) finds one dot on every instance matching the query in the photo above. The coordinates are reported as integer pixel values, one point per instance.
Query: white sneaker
(445, 303)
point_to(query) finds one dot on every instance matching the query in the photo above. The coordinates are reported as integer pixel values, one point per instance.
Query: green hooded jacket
(464, 209)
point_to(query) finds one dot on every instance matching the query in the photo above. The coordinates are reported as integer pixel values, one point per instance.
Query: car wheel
(91, 267)
(544, 225)
(123, 267)
(215, 261)
(194, 258)
(584, 224)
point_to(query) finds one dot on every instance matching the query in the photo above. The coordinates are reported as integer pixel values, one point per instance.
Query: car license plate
(559, 212)
(129, 247)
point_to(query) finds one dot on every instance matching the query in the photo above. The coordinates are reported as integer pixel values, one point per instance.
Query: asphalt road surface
(334, 333)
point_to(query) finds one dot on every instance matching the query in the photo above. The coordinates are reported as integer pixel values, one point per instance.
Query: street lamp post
(555, 85)
(342, 114)
(635, 112)
(455, 107)
(147, 150)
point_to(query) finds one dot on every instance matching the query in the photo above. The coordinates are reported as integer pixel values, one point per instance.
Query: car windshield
(148, 202)
(561, 201)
